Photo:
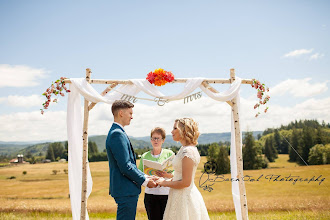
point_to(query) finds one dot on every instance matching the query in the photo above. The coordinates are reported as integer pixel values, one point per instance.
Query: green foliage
(55, 171)
(270, 151)
(31, 160)
(24, 172)
(212, 152)
(28, 155)
(308, 142)
(55, 151)
(175, 149)
(92, 148)
(305, 123)
(252, 154)
(35, 159)
(50, 153)
(319, 154)
(203, 149)
(302, 136)
(294, 146)
(222, 161)
(218, 156)
(141, 151)
(98, 157)
(33, 150)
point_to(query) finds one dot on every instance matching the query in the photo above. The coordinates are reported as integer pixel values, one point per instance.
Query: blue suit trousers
(126, 207)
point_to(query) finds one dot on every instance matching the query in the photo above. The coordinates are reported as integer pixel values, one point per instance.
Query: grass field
(42, 195)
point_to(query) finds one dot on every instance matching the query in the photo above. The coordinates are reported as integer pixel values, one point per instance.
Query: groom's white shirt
(145, 183)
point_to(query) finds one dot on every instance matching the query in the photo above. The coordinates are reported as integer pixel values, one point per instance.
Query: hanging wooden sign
(192, 97)
(129, 98)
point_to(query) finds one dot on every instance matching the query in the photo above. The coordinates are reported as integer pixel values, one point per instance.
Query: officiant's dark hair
(120, 104)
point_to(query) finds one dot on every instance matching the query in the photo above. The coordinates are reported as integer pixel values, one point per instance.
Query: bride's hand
(154, 178)
(164, 174)
(161, 181)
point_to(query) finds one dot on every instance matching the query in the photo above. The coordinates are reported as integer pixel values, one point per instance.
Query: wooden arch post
(239, 158)
(83, 209)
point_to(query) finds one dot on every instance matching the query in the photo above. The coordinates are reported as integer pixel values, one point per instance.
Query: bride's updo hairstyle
(188, 129)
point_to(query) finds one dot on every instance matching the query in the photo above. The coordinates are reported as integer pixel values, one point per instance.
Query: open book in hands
(150, 167)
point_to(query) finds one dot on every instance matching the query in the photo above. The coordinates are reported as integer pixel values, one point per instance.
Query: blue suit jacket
(125, 178)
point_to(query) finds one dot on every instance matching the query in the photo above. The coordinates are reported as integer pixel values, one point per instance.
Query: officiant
(155, 199)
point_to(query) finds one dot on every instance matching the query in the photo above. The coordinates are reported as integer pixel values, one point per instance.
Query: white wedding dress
(186, 203)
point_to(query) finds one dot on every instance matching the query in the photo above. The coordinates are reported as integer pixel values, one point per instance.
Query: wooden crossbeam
(179, 80)
(108, 89)
(207, 85)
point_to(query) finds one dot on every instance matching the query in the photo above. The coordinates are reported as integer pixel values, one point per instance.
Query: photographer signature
(207, 181)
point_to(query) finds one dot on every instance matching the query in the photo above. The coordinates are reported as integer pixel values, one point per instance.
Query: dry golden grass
(42, 192)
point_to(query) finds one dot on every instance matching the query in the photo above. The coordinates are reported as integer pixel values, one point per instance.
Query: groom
(125, 178)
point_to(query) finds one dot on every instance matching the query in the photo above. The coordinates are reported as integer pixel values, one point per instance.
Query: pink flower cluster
(56, 88)
(261, 94)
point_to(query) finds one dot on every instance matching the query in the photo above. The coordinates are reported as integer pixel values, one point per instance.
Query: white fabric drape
(75, 130)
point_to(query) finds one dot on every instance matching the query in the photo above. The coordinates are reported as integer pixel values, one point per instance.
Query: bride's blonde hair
(188, 129)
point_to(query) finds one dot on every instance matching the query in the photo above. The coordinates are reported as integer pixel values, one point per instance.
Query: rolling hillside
(12, 149)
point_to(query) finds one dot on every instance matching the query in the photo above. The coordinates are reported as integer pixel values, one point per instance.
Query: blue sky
(284, 44)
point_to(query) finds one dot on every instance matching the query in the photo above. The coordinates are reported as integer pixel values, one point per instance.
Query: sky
(284, 44)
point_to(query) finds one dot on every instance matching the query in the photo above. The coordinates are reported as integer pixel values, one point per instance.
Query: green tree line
(306, 141)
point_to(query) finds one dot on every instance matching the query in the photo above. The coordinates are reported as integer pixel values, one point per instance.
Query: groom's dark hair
(120, 104)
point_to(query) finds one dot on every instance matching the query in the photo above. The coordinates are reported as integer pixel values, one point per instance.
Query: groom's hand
(151, 183)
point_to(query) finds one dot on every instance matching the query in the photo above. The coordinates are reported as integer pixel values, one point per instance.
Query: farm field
(42, 195)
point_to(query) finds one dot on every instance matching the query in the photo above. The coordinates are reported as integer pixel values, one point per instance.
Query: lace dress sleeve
(191, 153)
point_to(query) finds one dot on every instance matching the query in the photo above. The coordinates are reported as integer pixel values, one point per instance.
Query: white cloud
(316, 56)
(296, 53)
(20, 76)
(31, 126)
(22, 101)
(280, 115)
(212, 116)
(3, 99)
(299, 88)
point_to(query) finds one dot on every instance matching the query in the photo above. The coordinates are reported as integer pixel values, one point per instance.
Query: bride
(184, 200)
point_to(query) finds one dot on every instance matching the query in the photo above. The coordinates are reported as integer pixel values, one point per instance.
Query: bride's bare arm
(187, 173)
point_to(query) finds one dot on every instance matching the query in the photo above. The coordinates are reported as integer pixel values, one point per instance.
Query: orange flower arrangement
(160, 77)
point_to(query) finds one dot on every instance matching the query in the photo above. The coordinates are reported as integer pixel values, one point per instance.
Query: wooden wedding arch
(206, 83)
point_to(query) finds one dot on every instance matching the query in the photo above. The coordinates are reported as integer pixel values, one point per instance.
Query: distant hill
(9, 148)
(142, 142)
(35, 150)
(100, 142)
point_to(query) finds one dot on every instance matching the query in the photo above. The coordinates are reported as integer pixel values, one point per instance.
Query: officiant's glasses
(156, 139)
